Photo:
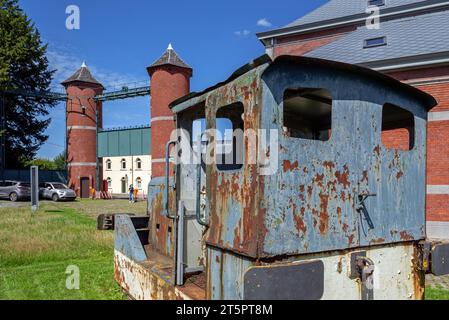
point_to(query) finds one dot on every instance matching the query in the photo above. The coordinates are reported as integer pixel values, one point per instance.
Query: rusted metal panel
(310, 208)
(225, 274)
(126, 239)
(233, 196)
(141, 283)
(162, 229)
(292, 281)
(311, 201)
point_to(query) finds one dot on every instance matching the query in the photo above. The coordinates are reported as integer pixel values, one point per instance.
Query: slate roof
(82, 75)
(341, 8)
(419, 35)
(170, 57)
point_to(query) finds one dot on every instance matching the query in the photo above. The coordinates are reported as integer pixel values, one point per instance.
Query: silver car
(15, 190)
(56, 191)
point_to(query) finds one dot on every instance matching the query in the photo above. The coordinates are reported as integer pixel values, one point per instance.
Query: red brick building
(170, 80)
(83, 111)
(410, 43)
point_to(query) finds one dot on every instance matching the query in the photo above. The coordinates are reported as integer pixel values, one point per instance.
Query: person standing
(131, 193)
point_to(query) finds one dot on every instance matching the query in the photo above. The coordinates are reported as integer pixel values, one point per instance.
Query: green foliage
(60, 161)
(57, 163)
(24, 66)
(43, 164)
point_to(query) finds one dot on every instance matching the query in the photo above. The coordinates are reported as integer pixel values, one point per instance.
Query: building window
(398, 128)
(109, 180)
(308, 114)
(377, 3)
(108, 164)
(230, 137)
(123, 164)
(138, 164)
(139, 183)
(375, 42)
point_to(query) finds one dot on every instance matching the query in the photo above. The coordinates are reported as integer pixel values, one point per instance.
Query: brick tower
(170, 80)
(83, 112)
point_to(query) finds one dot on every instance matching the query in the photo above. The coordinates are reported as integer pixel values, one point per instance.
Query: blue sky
(118, 39)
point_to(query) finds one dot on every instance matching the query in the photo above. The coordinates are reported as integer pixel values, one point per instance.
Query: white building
(121, 172)
(126, 158)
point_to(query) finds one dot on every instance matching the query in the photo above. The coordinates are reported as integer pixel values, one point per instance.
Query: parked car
(15, 190)
(56, 191)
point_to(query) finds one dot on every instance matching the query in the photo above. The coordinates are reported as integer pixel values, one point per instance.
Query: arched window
(138, 164)
(139, 183)
(109, 180)
(108, 164)
(123, 163)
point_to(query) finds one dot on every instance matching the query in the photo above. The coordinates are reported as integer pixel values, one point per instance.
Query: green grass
(436, 294)
(36, 249)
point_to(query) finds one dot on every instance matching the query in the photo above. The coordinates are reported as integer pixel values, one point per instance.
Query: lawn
(36, 250)
(436, 294)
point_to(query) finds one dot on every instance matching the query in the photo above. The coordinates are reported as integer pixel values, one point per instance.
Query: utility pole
(3, 135)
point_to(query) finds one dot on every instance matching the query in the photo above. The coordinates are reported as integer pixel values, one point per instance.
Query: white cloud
(242, 33)
(66, 64)
(264, 23)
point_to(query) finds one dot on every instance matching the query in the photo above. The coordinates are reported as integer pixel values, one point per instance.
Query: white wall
(130, 175)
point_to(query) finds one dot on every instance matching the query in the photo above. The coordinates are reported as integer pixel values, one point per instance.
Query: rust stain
(329, 165)
(343, 178)
(364, 176)
(351, 240)
(377, 241)
(405, 236)
(324, 216)
(288, 166)
(377, 150)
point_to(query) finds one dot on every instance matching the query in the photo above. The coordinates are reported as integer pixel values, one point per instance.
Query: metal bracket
(361, 207)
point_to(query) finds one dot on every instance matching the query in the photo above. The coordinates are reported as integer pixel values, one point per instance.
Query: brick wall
(168, 83)
(437, 206)
(81, 133)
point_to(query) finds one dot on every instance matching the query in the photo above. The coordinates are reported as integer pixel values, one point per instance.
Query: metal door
(84, 188)
(188, 191)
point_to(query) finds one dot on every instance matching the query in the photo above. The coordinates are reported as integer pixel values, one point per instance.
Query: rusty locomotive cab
(310, 185)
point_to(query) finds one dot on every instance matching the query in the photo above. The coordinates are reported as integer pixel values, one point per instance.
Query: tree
(24, 66)
(43, 164)
(60, 161)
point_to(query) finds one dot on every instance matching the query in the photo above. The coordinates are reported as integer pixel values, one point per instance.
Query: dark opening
(375, 42)
(230, 137)
(376, 3)
(308, 113)
(158, 226)
(398, 128)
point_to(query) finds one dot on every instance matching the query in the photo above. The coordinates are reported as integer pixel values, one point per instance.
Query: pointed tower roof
(170, 57)
(82, 75)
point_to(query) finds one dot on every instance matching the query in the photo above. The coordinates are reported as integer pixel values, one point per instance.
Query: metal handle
(167, 178)
(202, 222)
